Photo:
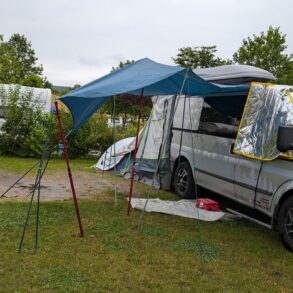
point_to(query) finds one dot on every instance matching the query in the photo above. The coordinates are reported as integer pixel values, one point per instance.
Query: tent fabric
(115, 153)
(154, 135)
(152, 77)
(155, 143)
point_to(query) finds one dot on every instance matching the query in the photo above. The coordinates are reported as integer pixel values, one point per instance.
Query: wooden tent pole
(69, 170)
(134, 156)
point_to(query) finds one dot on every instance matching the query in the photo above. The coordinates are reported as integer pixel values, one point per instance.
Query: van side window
(212, 122)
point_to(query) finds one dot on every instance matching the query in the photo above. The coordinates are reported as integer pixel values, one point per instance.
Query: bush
(93, 135)
(24, 130)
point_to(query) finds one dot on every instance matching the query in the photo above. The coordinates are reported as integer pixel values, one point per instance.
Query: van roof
(234, 74)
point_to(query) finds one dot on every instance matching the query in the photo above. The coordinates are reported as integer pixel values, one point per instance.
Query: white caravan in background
(42, 97)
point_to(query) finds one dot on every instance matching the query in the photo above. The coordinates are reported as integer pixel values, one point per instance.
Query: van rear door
(214, 163)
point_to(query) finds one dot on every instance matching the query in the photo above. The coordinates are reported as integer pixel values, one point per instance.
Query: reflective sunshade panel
(268, 106)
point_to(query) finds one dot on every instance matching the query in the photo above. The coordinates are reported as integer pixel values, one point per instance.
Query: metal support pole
(69, 170)
(9, 188)
(134, 156)
(37, 182)
(114, 145)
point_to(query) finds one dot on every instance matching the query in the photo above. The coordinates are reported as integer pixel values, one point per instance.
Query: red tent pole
(69, 170)
(135, 152)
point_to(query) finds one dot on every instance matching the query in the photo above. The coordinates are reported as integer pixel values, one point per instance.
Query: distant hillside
(62, 90)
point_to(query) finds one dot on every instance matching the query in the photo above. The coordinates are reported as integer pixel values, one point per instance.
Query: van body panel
(246, 177)
(214, 165)
(212, 160)
(274, 181)
(257, 184)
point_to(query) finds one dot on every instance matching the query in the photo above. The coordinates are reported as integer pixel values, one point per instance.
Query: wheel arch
(278, 205)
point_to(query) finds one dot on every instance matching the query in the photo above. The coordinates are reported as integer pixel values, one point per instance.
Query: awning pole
(135, 152)
(69, 170)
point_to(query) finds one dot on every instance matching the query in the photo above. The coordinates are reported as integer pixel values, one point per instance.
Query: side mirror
(285, 139)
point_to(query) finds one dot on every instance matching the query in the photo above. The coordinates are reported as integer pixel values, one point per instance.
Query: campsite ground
(166, 254)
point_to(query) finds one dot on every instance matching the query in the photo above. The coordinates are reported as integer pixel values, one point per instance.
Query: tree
(18, 62)
(32, 80)
(122, 64)
(199, 57)
(267, 52)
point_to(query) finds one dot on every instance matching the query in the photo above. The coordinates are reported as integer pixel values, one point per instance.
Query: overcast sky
(79, 41)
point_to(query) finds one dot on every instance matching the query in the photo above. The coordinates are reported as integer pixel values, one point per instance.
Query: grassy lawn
(21, 165)
(167, 254)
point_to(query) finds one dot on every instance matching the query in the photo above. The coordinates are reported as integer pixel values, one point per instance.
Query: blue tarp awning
(152, 77)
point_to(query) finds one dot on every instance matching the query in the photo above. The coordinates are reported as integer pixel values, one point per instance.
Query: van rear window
(213, 122)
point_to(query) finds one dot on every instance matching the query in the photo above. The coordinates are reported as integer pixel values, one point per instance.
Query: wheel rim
(182, 180)
(289, 223)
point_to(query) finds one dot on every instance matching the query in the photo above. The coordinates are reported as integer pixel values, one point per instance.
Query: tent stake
(134, 156)
(69, 170)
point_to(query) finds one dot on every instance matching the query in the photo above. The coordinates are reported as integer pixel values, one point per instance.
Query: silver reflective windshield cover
(268, 106)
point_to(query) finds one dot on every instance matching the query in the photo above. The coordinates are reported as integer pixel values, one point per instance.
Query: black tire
(285, 223)
(183, 181)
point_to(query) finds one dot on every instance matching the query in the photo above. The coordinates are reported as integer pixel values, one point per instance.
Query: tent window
(212, 122)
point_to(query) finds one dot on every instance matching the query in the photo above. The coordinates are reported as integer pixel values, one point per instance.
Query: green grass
(166, 254)
(21, 165)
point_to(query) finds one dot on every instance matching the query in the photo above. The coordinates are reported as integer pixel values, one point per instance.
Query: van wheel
(183, 181)
(285, 223)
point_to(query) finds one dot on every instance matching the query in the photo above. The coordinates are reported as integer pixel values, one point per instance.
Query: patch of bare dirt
(57, 187)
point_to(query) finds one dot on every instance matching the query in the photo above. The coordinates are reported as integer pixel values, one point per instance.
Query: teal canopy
(152, 77)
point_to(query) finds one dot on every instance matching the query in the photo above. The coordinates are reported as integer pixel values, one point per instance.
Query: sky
(79, 41)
